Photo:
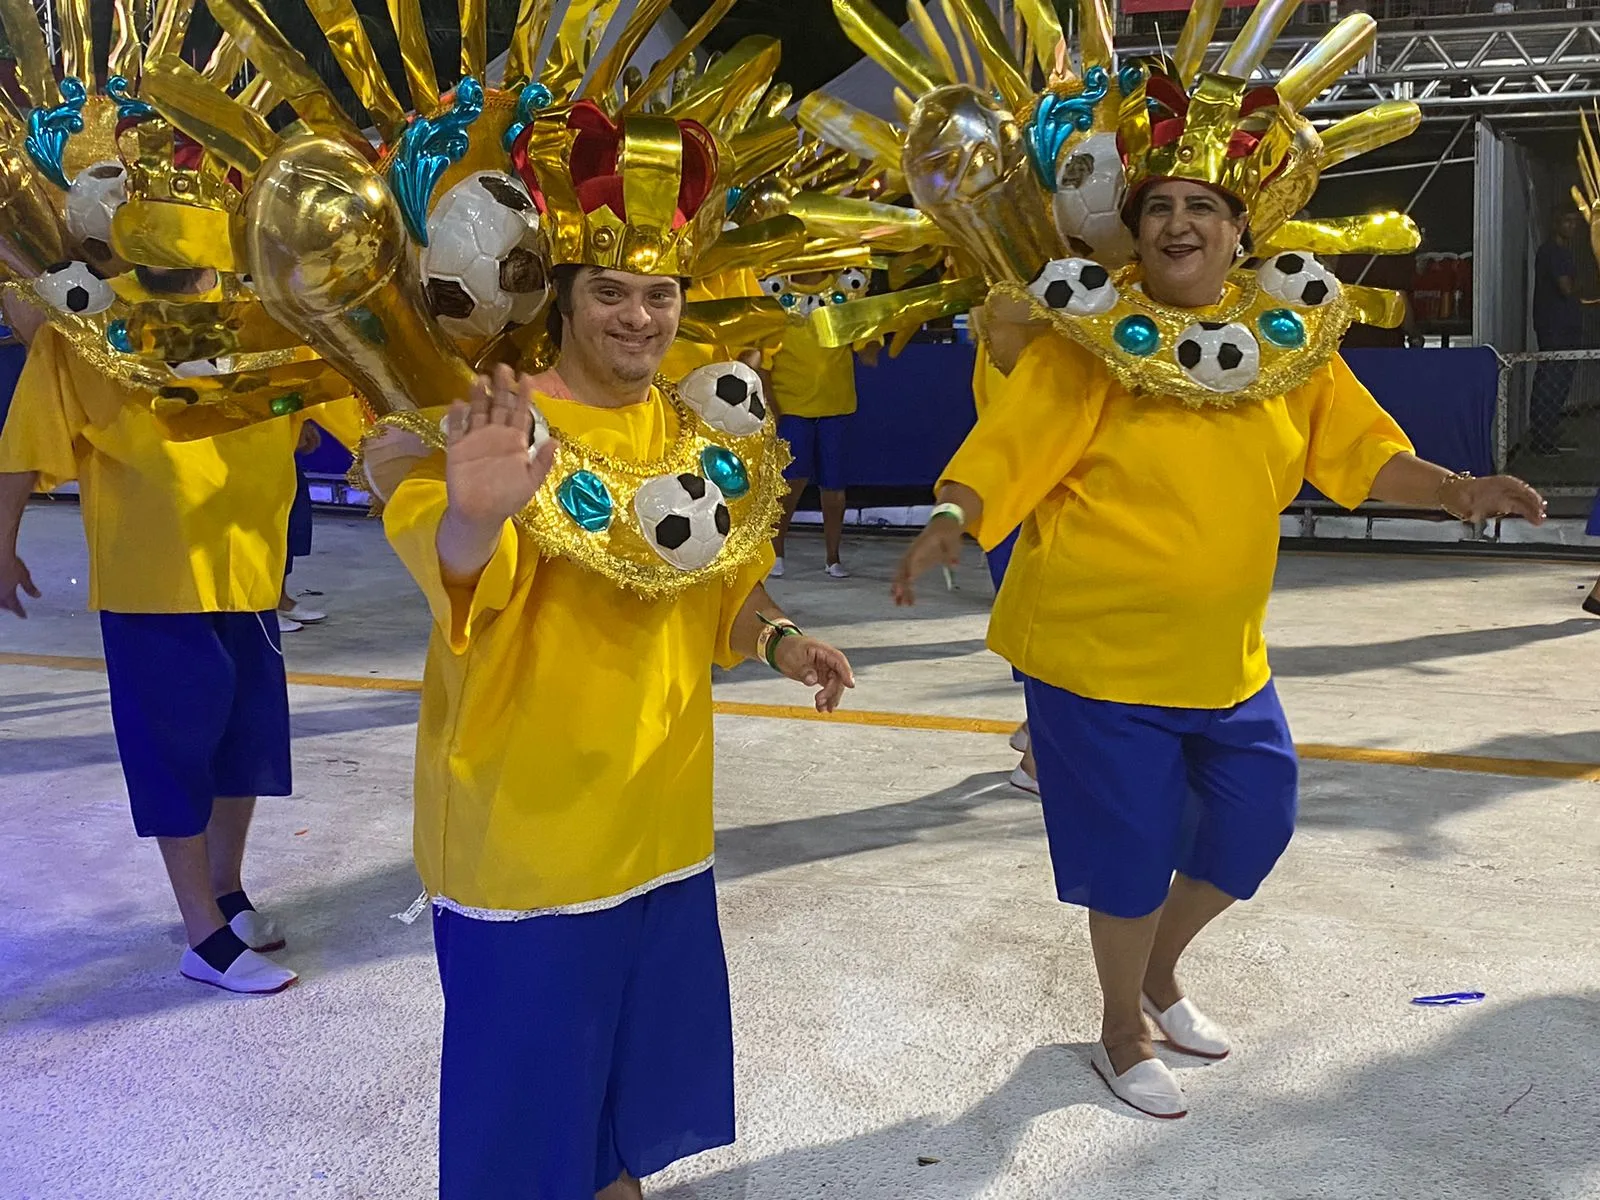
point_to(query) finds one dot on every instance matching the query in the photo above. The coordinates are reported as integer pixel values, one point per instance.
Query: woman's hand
(1497, 496)
(815, 664)
(938, 545)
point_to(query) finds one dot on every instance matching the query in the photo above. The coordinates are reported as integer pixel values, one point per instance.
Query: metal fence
(1547, 420)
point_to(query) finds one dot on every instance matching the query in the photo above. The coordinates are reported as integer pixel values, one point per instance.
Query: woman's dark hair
(174, 281)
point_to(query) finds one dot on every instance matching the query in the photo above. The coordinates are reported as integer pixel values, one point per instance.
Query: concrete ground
(913, 1009)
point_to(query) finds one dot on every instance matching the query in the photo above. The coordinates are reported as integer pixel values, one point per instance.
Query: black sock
(222, 948)
(233, 904)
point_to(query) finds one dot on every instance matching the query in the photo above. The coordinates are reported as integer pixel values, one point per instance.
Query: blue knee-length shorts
(1135, 793)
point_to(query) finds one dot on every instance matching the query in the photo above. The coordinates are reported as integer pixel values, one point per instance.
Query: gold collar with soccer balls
(803, 293)
(702, 511)
(1276, 325)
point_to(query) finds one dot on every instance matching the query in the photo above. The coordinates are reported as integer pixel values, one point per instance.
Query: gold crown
(176, 215)
(646, 195)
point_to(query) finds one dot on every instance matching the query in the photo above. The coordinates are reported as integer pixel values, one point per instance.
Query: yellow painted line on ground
(1523, 768)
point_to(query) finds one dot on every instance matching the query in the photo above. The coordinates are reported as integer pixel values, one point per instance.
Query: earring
(1238, 250)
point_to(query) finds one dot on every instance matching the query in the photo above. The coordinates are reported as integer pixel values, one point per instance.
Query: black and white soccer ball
(1091, 186)
(728, 397)
(74, 287)
(684, 518)
(1079, 287)
(1298, 279)
(1219, 356)
(96, 193)
(484, 265)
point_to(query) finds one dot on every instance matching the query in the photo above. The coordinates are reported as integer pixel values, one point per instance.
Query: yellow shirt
(172, 527)
(564, 744)
(685, 356)
(1150, 530)
(987, 381)
(813, 380)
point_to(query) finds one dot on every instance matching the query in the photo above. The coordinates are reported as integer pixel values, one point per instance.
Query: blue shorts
(200, 707)
(817, 444)
(1133, 793)
(578, 1047)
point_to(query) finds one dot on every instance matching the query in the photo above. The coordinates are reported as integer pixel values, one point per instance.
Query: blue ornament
(426, 149)
(127, 107)
(1137, 335)
(840, 298)
(585, 498)
(367, 324)
(117, 335)
(1057, 118)
(1282, 328)
(1129, 79)
(735, 194)
(49, 129)
(725, 469)
(788, 299)
(535, 96)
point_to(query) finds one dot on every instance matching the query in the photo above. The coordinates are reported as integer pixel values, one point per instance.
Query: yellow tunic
(172, 526)
(564, 749)
(813, 380)
(1150, 530)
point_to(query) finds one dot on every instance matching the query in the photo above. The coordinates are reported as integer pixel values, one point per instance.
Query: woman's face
(1188, 240)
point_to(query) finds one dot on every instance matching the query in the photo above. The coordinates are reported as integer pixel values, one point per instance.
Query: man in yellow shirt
(589, 543)
(187, 545)
(814, 390)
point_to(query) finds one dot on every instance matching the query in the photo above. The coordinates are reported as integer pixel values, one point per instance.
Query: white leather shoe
(777, 569)
(1188, 1029)
(836, 571)
(1021, 779)
(260, 933)
(1021, 740)
(1147, 1086)
(251, 974)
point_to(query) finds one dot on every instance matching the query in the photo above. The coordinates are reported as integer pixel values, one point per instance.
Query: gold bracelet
(1438, 496)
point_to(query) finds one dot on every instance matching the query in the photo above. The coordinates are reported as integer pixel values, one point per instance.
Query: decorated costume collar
(1276, 325)
(703, 510)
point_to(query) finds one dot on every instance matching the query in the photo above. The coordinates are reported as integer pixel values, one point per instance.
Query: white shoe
(260, 933)
(1021, 779)
(777, 568)
(285, 625)
(251, 974)
(1021, 739)
(836, 571)
(1188, 1029)
(1147, 1086)
(304, 615)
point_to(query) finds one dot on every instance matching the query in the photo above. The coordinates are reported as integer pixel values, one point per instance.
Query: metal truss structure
(1455, 68)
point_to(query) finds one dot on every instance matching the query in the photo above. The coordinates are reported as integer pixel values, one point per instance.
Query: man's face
(1569, 227)
(620, 324)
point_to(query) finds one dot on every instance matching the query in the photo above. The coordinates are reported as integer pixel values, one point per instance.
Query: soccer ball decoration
(1219, 356)
(484, 265)
(727, 396)
(1079, 287)
(1298, 279)
(74, 287)
(1090, 189)
(684, 518)
(93, 199)
(200, 368)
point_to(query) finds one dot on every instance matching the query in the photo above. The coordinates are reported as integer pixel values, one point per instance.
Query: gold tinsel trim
(1159, 374)
(620, 553)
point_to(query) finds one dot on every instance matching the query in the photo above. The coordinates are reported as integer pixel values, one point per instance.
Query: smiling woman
(1189, 236)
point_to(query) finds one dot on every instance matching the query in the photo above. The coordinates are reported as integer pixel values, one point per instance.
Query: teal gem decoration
(1137, 335)
(840, 298)
(534, 97)
(788, 299)
(117, 335)
(735, 194)
(1282, 328)
(585, 498)
(1056, 118)
(429, 146)
(725, 469)
(367, 324)
(289, 402)
(49, 129)
(128, 108)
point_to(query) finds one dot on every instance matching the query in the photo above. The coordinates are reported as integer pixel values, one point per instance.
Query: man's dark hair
(563, 279)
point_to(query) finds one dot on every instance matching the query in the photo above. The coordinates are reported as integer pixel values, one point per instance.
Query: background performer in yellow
(590, 542)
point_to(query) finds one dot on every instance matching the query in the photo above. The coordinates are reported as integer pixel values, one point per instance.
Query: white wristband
(949, 510)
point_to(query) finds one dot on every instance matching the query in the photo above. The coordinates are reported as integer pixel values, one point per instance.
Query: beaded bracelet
(775, 632)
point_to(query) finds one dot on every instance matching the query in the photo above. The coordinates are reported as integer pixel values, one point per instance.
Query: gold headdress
(1033, 183)
(1587, 195)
